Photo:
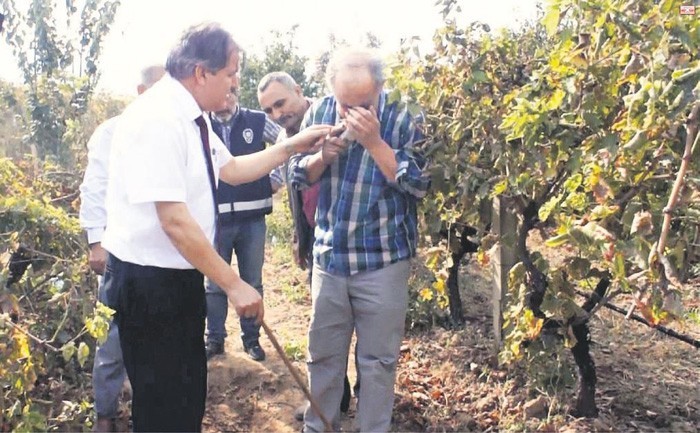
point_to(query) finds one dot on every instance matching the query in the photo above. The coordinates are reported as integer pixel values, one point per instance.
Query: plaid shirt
(363, 221)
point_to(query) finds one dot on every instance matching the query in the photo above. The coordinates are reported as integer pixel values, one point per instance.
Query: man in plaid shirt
(371, 178)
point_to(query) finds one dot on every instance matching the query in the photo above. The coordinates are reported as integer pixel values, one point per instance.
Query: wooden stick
(692, 133)
(297, 377)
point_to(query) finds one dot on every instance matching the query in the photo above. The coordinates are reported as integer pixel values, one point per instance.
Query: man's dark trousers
(160, 314)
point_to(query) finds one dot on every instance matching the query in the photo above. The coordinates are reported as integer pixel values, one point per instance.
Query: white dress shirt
(157, 156)
(93, 214)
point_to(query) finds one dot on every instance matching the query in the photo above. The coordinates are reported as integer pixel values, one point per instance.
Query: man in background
(281, 98)
(241, 229)
(108, 371)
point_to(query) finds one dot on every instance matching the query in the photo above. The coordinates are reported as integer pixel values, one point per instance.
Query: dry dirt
(449, 380)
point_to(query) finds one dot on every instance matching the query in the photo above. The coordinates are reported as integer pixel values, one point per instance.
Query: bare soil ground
(449, 380)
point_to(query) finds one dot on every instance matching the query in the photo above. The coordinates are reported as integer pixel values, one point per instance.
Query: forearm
(385, 158)
(247, 168)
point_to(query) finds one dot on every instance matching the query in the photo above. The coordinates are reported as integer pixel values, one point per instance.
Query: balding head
(150, 76)
(353, 62)
(356, 79)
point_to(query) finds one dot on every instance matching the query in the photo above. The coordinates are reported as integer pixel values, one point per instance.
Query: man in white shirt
(108, 371)
(161, 214)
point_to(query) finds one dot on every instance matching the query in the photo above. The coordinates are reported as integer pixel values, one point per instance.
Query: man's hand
(308, 140)
(332, 148)
(97, 258)
(247, 301)
(363, 126)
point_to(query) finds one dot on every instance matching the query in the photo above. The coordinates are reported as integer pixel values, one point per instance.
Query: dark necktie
(204, 133)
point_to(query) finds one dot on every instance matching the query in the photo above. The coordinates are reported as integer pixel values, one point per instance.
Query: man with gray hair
(282, 99)
(371, 178)
(161, 219)
(108, 373)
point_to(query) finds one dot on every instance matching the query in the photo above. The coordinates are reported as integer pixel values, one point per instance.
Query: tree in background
(587, 127)
(48, 316)
(281, 54)
(57, 49)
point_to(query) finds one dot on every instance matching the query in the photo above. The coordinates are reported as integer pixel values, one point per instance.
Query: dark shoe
(255, 352)
(213, 348)
(345, 402)
(299, 411)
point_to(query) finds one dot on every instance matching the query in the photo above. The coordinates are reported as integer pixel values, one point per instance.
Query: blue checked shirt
(363, 221)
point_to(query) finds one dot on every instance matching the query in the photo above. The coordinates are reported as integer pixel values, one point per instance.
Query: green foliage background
(580, 116)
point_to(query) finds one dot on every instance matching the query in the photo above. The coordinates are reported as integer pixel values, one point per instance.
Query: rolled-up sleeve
(296, 173)
(411, 172)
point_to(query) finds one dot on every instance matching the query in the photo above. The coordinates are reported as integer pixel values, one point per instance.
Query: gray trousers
(373, 304)
(108, 372)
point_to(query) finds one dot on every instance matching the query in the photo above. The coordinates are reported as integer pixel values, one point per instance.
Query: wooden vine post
(504, 225)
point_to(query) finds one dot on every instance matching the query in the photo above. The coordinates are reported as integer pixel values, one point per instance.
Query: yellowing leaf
(557, 241)
(68, 350)
(551, 19)
(439, 286)
(22, 345)
(426, 294)
(499, 188)
(83, 353)
(515, 348)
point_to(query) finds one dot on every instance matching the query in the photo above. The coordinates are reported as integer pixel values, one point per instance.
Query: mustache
(284, 119)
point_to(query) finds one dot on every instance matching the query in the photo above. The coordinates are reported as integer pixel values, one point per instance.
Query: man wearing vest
(241, 228)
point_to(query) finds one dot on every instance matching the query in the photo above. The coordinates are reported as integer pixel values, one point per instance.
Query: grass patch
(295, 350)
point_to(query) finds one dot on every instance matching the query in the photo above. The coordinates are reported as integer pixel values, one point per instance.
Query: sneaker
(255, 352)
(213, 348)
(299, 411)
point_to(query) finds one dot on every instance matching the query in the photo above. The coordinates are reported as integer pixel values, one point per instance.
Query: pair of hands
(360, 125)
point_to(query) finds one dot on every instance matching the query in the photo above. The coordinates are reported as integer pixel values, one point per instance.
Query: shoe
(299, 411)
(213, 348)
(255, 352)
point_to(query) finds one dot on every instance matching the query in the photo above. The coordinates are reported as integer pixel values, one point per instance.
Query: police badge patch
(248, 135)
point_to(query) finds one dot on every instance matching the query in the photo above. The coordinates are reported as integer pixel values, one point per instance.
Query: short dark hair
(207, 44)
